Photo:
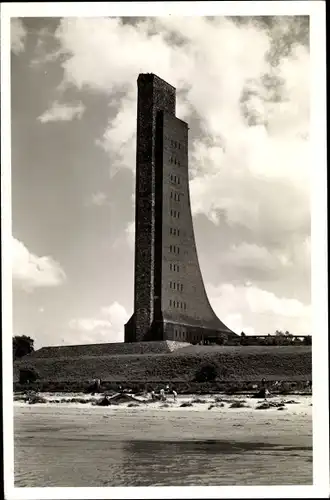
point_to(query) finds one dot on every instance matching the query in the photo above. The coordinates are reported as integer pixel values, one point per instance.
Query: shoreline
(115, 445)
(293, 403)
(223, 445)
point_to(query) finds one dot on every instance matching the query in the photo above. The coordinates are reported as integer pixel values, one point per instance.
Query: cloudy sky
(243, 87)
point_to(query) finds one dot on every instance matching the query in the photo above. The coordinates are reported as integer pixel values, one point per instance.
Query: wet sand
(72, 444)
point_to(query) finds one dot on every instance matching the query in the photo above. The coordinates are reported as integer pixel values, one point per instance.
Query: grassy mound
(234, 363)
(113, 349)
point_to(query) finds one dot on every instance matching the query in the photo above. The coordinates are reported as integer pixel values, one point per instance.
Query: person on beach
(309, 385)
(96, 386)
(153, 395)
(162, 395)
(264, 388)
(175, 394)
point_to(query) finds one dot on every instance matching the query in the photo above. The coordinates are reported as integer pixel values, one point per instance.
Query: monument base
(180, 331)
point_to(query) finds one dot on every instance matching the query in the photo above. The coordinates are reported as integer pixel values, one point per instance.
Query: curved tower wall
(170, 301)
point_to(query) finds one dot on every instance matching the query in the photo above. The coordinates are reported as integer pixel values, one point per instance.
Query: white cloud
(17, 36)
(130, 234)
(117, 315)
(246, 98)
(119, 137)
(30, 271)
(219, 65)
(98, 199)
(126, 238)
(264, 310)
(106, 326)
(62, 112)
(236, 323)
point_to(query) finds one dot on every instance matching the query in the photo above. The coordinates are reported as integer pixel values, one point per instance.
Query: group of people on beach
(162, 394)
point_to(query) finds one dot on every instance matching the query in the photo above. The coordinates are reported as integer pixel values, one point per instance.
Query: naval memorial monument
(170, 301)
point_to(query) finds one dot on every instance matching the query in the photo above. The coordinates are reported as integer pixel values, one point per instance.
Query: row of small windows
(174, 160)
(174, 231)
(175, 179)
(174, 249)
(177, 304)
(175, 214)
(175, 196)
(174, 267)
(176, 286)
(175, 144)
(179, 335)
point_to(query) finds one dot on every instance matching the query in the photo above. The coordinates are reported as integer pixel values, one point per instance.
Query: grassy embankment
(237, 368)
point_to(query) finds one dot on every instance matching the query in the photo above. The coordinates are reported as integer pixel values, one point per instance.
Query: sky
(243, 87)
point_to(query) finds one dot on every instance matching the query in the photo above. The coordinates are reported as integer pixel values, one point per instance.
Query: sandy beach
(74, 444)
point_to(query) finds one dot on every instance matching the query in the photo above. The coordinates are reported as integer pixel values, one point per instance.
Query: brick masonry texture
(170, 301)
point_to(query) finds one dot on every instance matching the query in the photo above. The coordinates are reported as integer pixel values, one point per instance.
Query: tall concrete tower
(170, 301)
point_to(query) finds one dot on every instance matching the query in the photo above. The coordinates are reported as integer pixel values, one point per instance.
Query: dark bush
(234, 389)
(22, 345)
(206, 373)
(103, 402)
(28, 375)
(216, 405)
(238, 404)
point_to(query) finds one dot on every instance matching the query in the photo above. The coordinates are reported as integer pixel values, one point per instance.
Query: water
(146, 449)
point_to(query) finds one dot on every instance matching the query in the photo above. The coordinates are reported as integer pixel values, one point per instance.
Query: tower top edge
(151, 77)
(166, 113)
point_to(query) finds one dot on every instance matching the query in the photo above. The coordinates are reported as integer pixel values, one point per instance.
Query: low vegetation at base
(239, 404)
(206, 373)
(27, 375)
(221, 369)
